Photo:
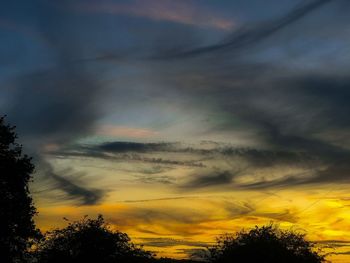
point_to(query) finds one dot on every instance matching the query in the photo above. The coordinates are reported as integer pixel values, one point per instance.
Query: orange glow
(190, 221)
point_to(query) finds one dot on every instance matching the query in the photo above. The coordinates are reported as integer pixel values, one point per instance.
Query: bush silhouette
(89, 240)
(16, 207)
(267, 244)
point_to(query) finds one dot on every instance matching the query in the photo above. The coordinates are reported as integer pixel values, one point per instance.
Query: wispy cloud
(184, 12)
(125, 132)
(223, 166)
(76, 192)
(253, 35)
(66, 181)
(170, 242)
(158, 199)
(214, 178)
(27, 31)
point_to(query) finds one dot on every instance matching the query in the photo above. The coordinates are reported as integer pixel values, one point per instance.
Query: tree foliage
(16, 206)
(89, 240)
(264, 244)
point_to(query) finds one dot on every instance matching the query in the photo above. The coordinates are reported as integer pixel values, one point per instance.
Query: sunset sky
(180, 120)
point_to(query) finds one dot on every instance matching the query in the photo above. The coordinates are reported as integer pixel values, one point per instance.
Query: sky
(182, 120)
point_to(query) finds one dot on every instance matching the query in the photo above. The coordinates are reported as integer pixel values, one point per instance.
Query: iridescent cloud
(184, 12)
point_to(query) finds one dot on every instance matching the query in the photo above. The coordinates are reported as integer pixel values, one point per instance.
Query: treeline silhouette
(92, 240)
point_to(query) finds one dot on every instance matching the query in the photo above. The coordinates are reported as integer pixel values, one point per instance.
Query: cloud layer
(142, 109)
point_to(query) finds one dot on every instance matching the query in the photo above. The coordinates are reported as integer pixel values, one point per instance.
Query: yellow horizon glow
(322, 214)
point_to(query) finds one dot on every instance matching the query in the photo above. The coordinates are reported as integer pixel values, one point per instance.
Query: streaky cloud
(253, 35)
(78, 193)
(159, 199)
(135, 147)
(75, 192)
(183, 12)
(216, 178)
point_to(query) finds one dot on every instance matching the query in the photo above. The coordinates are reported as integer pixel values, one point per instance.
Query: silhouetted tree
(267, 244)
(89, 240)
(16, 207)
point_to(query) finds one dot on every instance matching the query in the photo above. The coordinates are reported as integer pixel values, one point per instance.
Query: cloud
(47, 105)
(131, 151)
(306, 161)
(76, 192)
(216, 178)
(338, 246)
(184, 220)
(252, 35)
(281, 103)
(128, 132)
(170, 242)
(285, 216)
(25, 30)
(183, 12)
(158, 199)
(155, 179)
(120, 147)
(341, 253)
(275, 94)
(334, 243)
(60, 113)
